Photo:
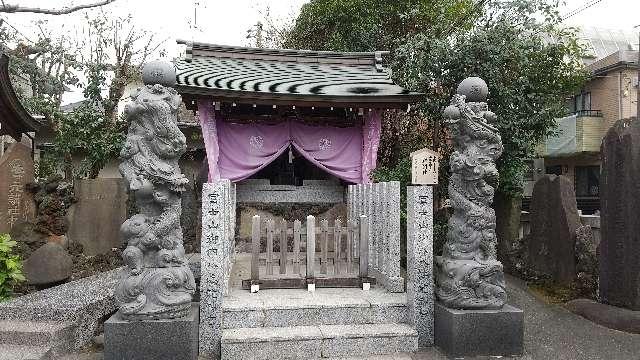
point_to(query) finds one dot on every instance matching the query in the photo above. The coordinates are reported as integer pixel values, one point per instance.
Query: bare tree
(117, 46)
(14, 8)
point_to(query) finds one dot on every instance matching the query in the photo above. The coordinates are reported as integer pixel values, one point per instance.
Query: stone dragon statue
(158, 283)
(468, 275)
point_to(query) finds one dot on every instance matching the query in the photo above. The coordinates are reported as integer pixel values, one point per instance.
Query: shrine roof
(240, 74)
(14, 118)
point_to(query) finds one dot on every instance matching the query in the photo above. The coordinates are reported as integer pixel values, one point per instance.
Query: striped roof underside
(287, 74)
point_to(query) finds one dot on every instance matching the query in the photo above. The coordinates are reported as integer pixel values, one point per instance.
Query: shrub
(10, 267)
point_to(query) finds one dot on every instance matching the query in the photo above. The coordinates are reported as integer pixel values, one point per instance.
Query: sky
(226, 21)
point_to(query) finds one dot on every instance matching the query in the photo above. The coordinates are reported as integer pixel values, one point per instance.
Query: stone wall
(317, 191)
(380, 202)
(217, 249)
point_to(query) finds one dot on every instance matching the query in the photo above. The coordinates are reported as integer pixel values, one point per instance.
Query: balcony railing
(589, 113)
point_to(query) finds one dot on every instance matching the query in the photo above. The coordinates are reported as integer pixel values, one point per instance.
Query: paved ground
(551, 333)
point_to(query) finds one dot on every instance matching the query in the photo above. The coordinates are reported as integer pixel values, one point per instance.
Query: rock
(28, 238)
(554, 221)
(49, 264)
(620, 225)
(606, 315)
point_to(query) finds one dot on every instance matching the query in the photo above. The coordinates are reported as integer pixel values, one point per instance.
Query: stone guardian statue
(158, 283)
(468, 275)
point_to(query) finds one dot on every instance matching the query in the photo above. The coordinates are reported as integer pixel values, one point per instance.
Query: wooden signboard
(424, 167)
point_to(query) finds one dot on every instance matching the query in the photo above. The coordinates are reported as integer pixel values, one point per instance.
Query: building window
(580, 103)
(587, 181)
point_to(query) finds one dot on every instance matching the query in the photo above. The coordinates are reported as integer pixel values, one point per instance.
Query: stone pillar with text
(420, 262)
(470, 286)
(156, 317)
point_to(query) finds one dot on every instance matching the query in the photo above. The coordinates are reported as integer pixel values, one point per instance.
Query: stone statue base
(175, 339)
(463, 333)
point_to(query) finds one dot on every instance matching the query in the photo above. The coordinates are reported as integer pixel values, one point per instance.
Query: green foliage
(110, 53)
(10, 267)
(87, 131)
(368, 25)
(529, 61)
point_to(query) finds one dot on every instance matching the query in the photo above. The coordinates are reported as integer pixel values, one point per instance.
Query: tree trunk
(68, 167)
(508, 210)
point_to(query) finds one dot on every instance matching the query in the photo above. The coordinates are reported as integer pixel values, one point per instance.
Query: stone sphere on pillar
(474, 89)
(159, 72)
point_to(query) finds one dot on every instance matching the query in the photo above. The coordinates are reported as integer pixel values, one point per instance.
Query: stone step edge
(30, 326)
(55, 336)
(22, 352)
(320, 332)
(311, 307)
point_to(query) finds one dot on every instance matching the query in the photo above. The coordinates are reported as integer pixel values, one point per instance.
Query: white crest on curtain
(324, 144)
(256, 142)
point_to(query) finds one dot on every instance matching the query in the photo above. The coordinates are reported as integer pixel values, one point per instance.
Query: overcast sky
(227, 21)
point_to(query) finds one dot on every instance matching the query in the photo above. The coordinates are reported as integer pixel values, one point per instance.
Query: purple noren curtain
(237, 151)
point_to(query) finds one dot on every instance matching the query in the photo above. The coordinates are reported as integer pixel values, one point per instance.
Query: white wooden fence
(323, 256)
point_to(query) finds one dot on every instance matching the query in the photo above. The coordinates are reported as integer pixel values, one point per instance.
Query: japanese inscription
(16, 170)
(424, 167)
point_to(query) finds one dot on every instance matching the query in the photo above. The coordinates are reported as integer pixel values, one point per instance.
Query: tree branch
(67, 10)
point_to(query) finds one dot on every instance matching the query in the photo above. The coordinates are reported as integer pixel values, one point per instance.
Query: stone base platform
(461, 333)
(175, 339)
(328, 323)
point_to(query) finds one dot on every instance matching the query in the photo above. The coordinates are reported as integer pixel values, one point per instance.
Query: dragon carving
(468, 275)
(158, 283)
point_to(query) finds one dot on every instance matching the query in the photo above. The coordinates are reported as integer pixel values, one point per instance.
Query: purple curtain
(371, 134)
(207, 115)
(237, 151)
(337, 151)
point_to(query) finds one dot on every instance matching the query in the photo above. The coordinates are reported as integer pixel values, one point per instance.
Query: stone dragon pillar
(468, 275)
(158, 283)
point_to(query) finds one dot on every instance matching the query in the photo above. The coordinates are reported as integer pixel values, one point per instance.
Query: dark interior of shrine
(291, 168)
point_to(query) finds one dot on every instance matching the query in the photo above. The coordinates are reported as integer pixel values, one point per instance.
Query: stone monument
(554, 221)
(16, 170)
(156, 319)
(620, 225)
(471, 317)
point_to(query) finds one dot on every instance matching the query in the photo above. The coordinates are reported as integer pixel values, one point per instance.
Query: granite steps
(54, 337)
(70, 313)
(24, 352)
(327, 323)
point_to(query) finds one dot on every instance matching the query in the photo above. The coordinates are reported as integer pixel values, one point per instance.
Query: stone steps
(54, 337)
(316, 342)
(339, 323)
(326, 306)
(24, 352)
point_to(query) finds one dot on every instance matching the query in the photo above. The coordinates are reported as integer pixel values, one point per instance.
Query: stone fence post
(420, 287)
(380, 203)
